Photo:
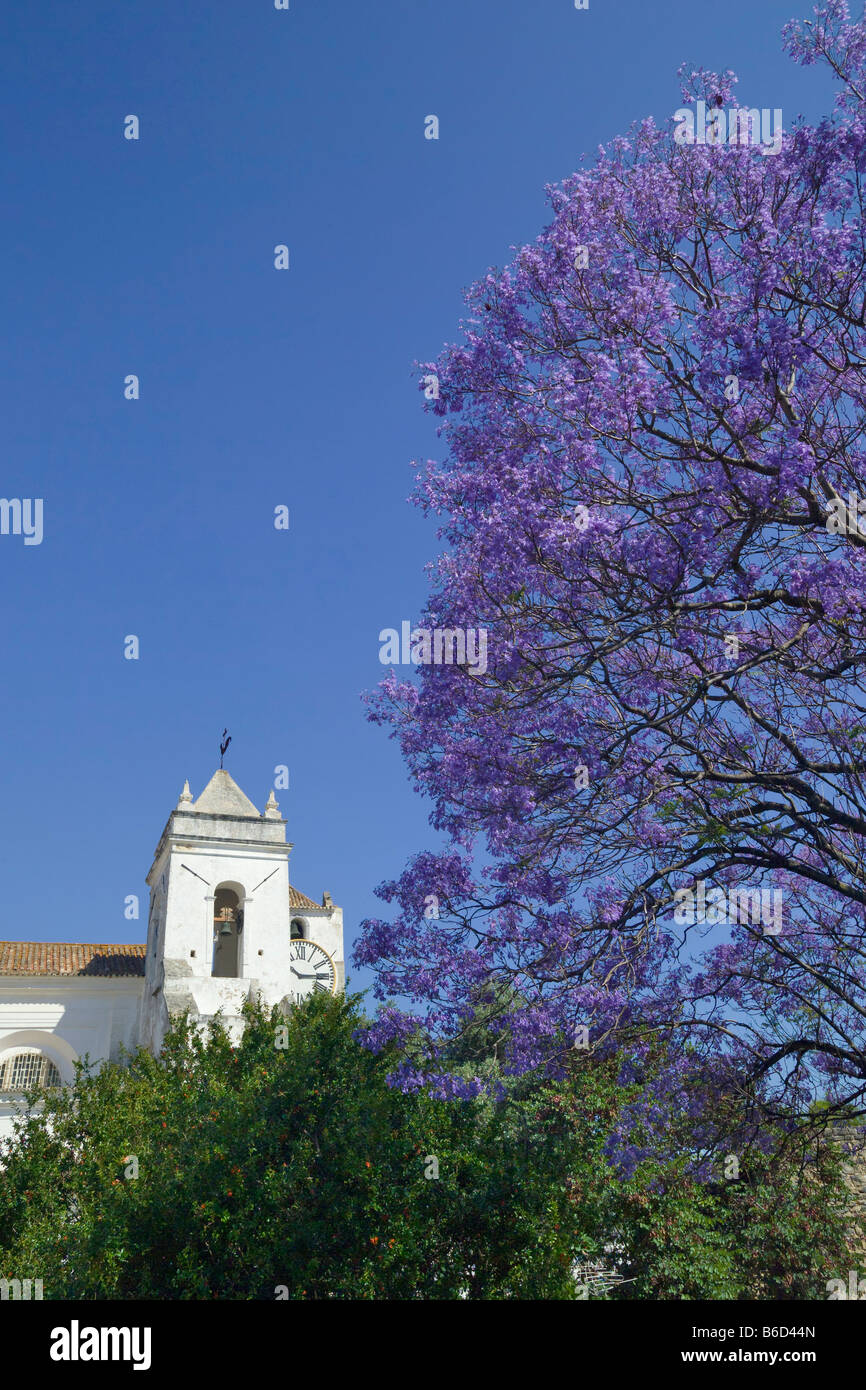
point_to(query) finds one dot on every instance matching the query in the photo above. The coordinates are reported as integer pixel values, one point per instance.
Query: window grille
(24, 1070)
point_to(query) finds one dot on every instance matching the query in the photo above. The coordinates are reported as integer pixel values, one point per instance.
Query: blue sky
(260, 387)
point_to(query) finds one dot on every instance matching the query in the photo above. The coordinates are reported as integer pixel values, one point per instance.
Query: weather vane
(224, 745)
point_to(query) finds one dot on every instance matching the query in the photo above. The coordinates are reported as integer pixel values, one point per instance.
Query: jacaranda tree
(654, 795)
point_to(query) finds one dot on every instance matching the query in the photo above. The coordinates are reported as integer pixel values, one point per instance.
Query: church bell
(226, 918)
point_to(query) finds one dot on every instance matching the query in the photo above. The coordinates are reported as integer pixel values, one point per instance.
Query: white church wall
(66, 1019)
(261, 873)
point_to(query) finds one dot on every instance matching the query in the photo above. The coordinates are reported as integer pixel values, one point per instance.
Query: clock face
(310, 968)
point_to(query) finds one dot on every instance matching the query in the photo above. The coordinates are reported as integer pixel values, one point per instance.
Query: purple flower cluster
(646, 421)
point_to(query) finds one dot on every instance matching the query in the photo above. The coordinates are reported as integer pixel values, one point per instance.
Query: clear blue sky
(260, 387)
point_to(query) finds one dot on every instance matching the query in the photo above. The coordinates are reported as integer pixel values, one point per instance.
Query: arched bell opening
(228, 923)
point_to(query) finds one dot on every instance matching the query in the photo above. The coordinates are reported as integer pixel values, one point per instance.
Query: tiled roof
(297, 899)
(70, 958)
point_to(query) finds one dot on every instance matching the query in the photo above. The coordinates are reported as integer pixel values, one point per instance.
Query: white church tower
(224, 924)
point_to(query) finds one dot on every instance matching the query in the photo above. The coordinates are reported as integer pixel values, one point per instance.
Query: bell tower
(220, 925)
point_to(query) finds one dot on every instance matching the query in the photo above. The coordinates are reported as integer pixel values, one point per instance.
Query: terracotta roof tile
(297, 899)
(70, 958)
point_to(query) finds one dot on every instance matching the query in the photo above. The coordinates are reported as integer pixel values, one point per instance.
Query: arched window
(300, 931)
(20, 1071)
(228, 921)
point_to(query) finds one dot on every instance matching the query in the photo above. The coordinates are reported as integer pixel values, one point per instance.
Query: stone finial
(186, 795)
(327, 900)
(272, 808)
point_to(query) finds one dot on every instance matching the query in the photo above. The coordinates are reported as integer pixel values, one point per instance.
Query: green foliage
(263, 1166)
(778, 1231)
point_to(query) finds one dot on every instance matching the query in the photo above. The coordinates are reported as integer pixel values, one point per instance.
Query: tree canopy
(654, 433)
(286, 1167)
